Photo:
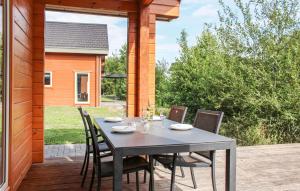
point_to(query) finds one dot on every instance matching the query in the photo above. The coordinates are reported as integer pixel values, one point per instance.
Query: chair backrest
(177, 113)
(86, 128)
(96, 151)
(208, 120)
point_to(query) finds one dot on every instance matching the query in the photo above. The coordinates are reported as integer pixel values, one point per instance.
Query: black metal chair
(105, 169)
(177, 113)
(89, 148)
(205, 120)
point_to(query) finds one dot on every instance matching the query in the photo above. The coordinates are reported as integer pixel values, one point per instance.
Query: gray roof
(76, 38)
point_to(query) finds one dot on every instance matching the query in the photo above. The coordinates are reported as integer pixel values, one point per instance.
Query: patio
(259, 168)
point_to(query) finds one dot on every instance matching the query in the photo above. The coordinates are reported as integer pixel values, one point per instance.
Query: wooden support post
(141, 61)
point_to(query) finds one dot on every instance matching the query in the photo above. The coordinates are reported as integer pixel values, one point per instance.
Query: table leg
(230, 174)
(118, 172)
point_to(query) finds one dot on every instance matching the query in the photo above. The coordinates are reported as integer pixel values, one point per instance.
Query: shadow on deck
(259, 168)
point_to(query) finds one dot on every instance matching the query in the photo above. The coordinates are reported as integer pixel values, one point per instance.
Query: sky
(193, 15)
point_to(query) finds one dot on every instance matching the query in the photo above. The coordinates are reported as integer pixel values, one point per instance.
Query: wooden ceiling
(164, 9)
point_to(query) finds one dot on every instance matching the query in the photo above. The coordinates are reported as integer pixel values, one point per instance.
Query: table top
(158, 134)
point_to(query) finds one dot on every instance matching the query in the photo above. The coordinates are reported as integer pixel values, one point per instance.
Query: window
(82, 87)
(48, 79)
(4, 93)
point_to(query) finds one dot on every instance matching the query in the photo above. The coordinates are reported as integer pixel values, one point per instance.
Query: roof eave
(77, 51)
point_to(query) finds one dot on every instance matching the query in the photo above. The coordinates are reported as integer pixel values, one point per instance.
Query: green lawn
(107, 98)
(64, 125)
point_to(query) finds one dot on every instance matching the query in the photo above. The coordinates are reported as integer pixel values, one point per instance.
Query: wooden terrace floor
(259, 168)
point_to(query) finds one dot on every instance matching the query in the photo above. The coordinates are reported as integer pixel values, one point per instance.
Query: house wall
(63, 67)
(20, 139)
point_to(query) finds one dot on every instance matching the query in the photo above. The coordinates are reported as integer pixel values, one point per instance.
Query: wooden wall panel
(38, 81)
(20, 91)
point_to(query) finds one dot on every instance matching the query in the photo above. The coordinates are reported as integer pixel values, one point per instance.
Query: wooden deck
(259, 168)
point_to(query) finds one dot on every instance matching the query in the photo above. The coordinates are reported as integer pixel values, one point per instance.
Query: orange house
(75, 56)
(23, 70)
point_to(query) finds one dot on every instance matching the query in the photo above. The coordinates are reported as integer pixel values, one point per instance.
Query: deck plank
(259, 168)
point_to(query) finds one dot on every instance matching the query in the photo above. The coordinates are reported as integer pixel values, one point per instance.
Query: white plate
(113, 119)
(123, 129)
(181, 127)
(156, 118)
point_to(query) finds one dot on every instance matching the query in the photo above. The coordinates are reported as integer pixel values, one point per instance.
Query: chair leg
(84, 161)
(193, 177)
(137, 181)
(86, 169)
(213, 175)
(173, 172)
(182, 172)
(92, 179)
(151, 181)
(98, 178)
(145, 172)
(128, 179)
(145, 176)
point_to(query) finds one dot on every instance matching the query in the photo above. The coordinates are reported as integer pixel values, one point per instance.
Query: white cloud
(167, 51)
(206, 11)
(187, 2)
(160, 37)
(117, 29)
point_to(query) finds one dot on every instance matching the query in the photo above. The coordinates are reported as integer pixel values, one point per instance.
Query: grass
(63, 124)
(107, 98)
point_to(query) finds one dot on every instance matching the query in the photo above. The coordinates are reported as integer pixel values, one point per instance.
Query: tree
(247, 66)
(116, 64)
(161, 82)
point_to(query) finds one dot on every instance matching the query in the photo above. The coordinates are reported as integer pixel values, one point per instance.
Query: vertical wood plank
(38, 76)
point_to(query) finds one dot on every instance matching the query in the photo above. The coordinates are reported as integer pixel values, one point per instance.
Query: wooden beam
(107, 7)
(147, 2)
(164, 9)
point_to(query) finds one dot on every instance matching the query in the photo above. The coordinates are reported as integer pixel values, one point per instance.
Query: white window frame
(6, 86)
(48, 86)
(88, 89)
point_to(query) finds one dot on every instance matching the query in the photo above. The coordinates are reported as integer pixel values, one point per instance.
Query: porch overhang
(164, 10)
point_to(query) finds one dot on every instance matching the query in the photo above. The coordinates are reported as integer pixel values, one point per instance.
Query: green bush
(249, 67)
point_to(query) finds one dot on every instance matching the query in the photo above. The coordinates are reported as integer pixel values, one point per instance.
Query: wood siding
(63, 68)
(38, 82)
(20, 91)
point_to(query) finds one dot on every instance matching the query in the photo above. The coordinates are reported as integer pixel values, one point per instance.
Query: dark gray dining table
(160, 139)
